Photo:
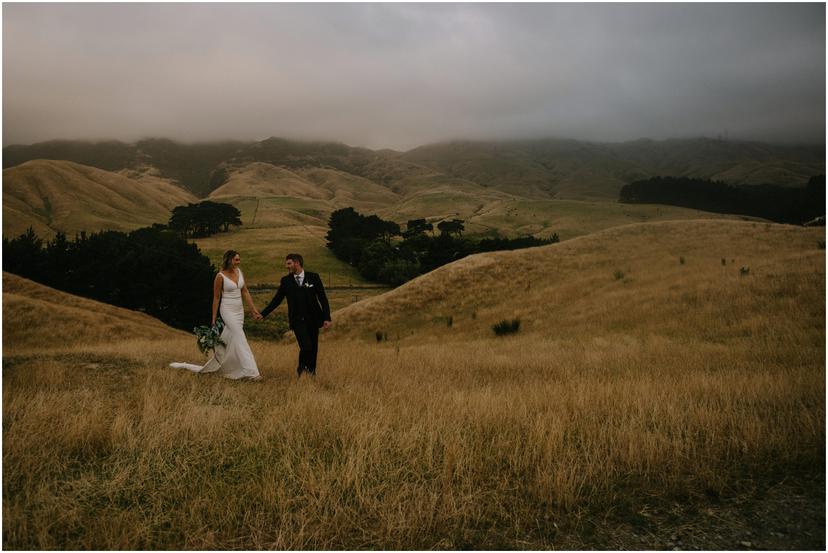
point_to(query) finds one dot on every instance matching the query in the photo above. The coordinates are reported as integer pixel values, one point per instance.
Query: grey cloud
(399, 75)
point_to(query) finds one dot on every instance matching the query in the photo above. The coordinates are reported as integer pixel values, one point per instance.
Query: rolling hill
(41, 318)
(191, 166)
(287, 210)
(336, 188)
(53, 196)
(570, 169)
(541, 169)
(673, 279)
(262, 180)
(651, 392)
(287, 189)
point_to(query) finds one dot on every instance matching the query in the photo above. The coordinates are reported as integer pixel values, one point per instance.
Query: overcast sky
(400, 75)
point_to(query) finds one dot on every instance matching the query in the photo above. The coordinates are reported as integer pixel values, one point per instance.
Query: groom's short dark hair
(297, 258)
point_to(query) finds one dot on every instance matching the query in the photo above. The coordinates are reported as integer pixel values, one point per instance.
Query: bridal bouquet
(208, 337)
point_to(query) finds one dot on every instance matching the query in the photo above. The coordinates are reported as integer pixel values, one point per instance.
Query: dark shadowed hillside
(578, 170)
(110, 155)
(191, 166)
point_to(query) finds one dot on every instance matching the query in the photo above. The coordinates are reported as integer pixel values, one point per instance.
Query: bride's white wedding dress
(235, 359)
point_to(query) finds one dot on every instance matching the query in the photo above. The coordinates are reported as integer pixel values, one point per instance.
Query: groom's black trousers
(307, 336)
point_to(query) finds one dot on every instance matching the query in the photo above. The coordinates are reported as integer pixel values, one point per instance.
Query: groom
(308, 309)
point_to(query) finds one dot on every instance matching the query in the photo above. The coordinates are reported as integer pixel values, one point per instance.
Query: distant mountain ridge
(540, 169)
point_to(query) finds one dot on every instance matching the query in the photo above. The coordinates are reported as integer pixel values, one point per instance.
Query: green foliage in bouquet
(208, 337)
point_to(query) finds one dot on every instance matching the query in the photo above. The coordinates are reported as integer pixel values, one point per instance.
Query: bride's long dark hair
(228, 259)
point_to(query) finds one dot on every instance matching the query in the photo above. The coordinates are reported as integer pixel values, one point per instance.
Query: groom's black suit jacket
(307, 303)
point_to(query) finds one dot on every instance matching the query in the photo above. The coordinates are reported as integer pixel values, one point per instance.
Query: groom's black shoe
(299, 370)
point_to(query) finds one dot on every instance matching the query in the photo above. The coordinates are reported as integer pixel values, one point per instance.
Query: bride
(234, 359)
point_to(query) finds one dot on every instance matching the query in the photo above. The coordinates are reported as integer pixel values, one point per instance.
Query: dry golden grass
(61, 195)
(263, 180)
(622, 279)
(41, 318)
(347, 190)
(674, 384)
(335, 189)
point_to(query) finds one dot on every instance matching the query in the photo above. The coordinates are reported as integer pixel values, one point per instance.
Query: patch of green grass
(263, 252)
(571, 218)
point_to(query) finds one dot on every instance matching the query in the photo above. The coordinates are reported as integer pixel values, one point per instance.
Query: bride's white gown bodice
(235, 359)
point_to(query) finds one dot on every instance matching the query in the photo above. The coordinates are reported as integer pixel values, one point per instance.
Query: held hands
(326, 325)
(257, 315)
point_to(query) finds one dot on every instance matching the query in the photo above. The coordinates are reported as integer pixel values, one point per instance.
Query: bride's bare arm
(217, 285)
(249, 299)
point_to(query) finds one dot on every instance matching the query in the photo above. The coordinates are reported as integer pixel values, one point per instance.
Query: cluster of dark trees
(382, 251)
(203, 219)
(793, 205)
(153, 270)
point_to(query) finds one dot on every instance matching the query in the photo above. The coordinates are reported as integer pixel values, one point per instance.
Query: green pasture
(263, 252)
(570, 218)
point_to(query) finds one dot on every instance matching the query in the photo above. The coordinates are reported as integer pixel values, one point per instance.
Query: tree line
(382, 251)
(203, 219)
(153, 270)
(793, 205)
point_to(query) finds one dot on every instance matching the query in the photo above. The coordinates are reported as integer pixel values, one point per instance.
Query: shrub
(506, 327)
(618, 275)
(681, 260)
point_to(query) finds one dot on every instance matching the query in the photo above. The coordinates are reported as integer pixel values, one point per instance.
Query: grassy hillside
(39, 318)
(195, 167)
(662, 279)
(263, 252)
(274, 225)
(286, 210)
(543, 168)
(676, 404)
(262, 180)
(347, 190)
(334, 188)
(61, 195)
(436, 197)
(110, 155)
(192, 166)
(571, 218)
(571, 169)
(735, 162)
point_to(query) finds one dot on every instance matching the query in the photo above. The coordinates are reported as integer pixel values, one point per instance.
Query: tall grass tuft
(505, 327)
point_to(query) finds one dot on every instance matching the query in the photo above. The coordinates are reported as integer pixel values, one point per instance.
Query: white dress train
(235, 359)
